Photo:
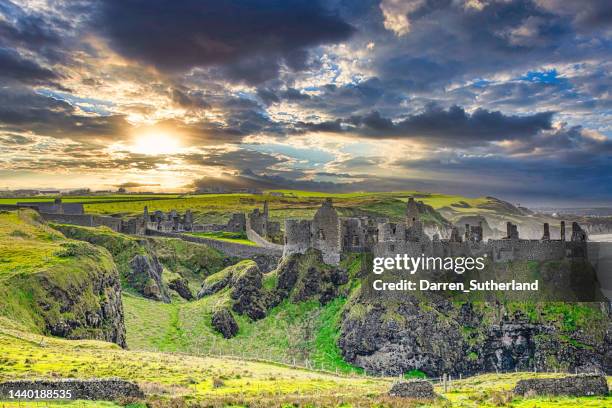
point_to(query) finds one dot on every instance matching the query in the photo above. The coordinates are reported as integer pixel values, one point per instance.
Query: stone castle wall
(297, 237)
(228, 248)
(85, 220)
(325, 233)
(261, 241)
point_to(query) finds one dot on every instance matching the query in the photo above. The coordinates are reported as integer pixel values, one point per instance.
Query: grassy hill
(179, 380)
(54, 285)
(217, 208)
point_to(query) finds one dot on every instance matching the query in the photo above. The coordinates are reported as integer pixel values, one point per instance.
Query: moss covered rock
(57, 286)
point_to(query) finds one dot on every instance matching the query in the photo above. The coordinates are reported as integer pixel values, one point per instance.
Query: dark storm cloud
(249, 179)
(452, 126)
(15, 67)
(238, 159)
(26, 29)
(250, 38)
(447, 41)
(21, 110)
(188, 99)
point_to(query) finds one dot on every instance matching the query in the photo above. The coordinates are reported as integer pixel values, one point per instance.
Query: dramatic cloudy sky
(480, 97)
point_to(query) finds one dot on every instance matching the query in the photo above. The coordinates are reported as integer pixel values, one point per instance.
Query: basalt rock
(419, 389)
(584, 385)
(392, 338)
(224, 323)
(87, 306)
(181, 286)
(304, 276)
(146, 277)
(247, 292)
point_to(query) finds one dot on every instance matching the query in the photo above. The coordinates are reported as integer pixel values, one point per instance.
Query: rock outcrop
(395, 337)
(181, 286)
(584, 385)
(88, 304)
(247, 292)
(418, 389)
(223, 321)
(304, 276)
(146, 277)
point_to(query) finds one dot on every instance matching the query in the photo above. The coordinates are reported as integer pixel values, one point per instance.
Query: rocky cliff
(440, 336)
(56, 286)
(144, 262)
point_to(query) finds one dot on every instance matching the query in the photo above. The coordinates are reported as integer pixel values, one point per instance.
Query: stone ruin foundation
(583, 385)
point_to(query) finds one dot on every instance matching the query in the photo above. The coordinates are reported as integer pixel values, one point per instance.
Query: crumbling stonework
(418, 389)
(325, 233)
(334, 236)
(108, 389)
(259, 222)
(583, 385)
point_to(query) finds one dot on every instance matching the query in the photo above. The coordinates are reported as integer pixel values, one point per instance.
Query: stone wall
(110, 389)
(325, 233)
(297, 237)
(84, 220)
(228, 248)
(261, 241)
(584, 385)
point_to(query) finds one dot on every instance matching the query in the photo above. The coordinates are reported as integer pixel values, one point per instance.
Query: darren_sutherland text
(459, 265)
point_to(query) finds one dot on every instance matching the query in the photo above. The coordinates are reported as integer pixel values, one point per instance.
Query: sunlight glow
(156, 143)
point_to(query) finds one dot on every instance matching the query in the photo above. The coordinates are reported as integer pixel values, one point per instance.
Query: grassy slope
(302, 333)
(217, 208)
(31, 253)
(239, 382)
(192, 261)
(236, 237)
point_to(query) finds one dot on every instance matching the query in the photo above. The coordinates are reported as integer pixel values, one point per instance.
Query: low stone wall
(84, 220)
(228, 248)
(420, 389)
(261, 241)
(110, 389)
(583, 385)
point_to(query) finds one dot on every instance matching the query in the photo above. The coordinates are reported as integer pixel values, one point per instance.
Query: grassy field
(236, 237)
(179, 380)
(296, 333)
(217, 208)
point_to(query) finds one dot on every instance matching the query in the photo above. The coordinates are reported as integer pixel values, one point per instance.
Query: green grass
(235, 237)
(190, 379)
(38, 265)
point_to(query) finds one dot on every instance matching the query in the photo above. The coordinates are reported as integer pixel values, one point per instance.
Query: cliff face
(57, 286)
(86, 304)
(440, 336)
(144, 262)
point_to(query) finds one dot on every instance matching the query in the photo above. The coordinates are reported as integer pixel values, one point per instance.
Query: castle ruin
(334, 235)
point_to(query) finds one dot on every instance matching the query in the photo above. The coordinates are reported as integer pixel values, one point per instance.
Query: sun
(155, 143)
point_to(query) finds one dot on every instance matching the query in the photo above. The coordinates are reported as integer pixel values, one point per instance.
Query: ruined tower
(59, 206)
(412, 212)
(546, 235)
(325, 232)
(511, 231)
(578, 234)
(562, 230)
